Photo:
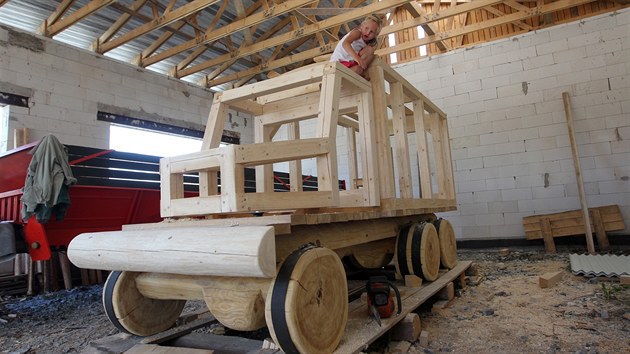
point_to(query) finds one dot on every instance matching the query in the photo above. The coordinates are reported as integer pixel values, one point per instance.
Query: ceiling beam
(306, 30)
(517, 16)
(227, 30)
(442, 14)
(54, 16)
(216, 72)
(289, 59)
(498, 13)
(120, 22)
(59, 25)
(416, 11)
(164, 20)
(200, 50)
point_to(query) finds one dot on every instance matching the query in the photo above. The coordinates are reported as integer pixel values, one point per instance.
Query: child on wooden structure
(356, 49)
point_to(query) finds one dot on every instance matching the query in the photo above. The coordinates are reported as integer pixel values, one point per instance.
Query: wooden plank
(214, 125)
(602, 239)
(288, 200)
(401, 147)
(545, 226)
(158, 349)
(159, 22)
(281, 223)
(295, 167)
(426, 187)
(327, 128)
(369, 151)
(362, 329)
(76, 16)
(193, 206)
(571, 223)
(296, 78)
(578, 173)
(225, 31)
(279, 151)
(550, 279)
(383, 147)
(303, 31)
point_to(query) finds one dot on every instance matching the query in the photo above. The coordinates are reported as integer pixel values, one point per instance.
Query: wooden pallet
(361, 329)
(570, 223)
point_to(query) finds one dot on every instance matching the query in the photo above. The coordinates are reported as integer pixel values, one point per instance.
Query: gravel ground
(505, 312)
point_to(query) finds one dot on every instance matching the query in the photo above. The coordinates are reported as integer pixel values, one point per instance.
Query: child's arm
(347, 45)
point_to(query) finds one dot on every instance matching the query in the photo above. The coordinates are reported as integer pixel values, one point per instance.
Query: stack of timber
(275, 258)
(570, 223)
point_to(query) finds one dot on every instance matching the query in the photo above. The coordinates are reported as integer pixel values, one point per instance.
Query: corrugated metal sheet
(600, 265)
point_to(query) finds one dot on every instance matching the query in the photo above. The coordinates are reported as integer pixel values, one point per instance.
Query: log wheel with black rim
(448, 244)
(418, 251)
(131, 312)
(307, 306)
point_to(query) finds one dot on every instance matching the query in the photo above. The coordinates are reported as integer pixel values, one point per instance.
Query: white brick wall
(505, 139)
(67, 84)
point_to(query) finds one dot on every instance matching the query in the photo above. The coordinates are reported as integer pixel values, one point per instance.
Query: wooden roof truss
(231, 43)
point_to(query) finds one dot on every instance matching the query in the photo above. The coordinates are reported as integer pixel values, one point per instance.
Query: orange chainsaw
(379, 298)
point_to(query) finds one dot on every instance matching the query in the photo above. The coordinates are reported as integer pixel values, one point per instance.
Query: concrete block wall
(66, 87)
(509, 137)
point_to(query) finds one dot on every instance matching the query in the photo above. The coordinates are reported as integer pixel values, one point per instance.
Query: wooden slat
(548, 8)
(76, 16)
(227, 30)
(164, 20)
(571, 223)
(302, 32)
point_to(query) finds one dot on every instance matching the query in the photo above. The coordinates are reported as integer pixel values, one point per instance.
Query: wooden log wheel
(418, 251)
(448, 244)
(131, 312)
(307, 305)
(372, 255)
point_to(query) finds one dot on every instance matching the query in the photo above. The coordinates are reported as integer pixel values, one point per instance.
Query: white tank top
(341, 54)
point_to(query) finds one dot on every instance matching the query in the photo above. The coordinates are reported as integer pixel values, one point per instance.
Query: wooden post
(20, 137)
(65, 270)
(547, 234)
(31, 276)
(578, 174)
(600, 231)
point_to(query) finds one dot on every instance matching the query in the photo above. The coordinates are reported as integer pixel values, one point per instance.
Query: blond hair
(376, 19)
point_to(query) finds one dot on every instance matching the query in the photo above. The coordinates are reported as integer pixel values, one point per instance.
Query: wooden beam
(164, 20)
(311, 53)
(451, 11)
(76, 16)
(302, 32)
(578, 173)
(121, 21)
(227, 30)
(416, 11)
(56, 15)
(200, 50)
(139, 59)
(498, 13)
(534, 11)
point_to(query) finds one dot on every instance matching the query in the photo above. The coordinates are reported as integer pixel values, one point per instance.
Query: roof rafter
(164, 20)
(517, 16)
(58, 24)
(302, 32)
(226, 30)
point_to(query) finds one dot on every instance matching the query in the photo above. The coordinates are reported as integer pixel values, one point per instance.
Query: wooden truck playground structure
(270, 258)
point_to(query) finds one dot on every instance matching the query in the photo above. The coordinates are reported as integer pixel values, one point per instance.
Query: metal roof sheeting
(606, 265)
